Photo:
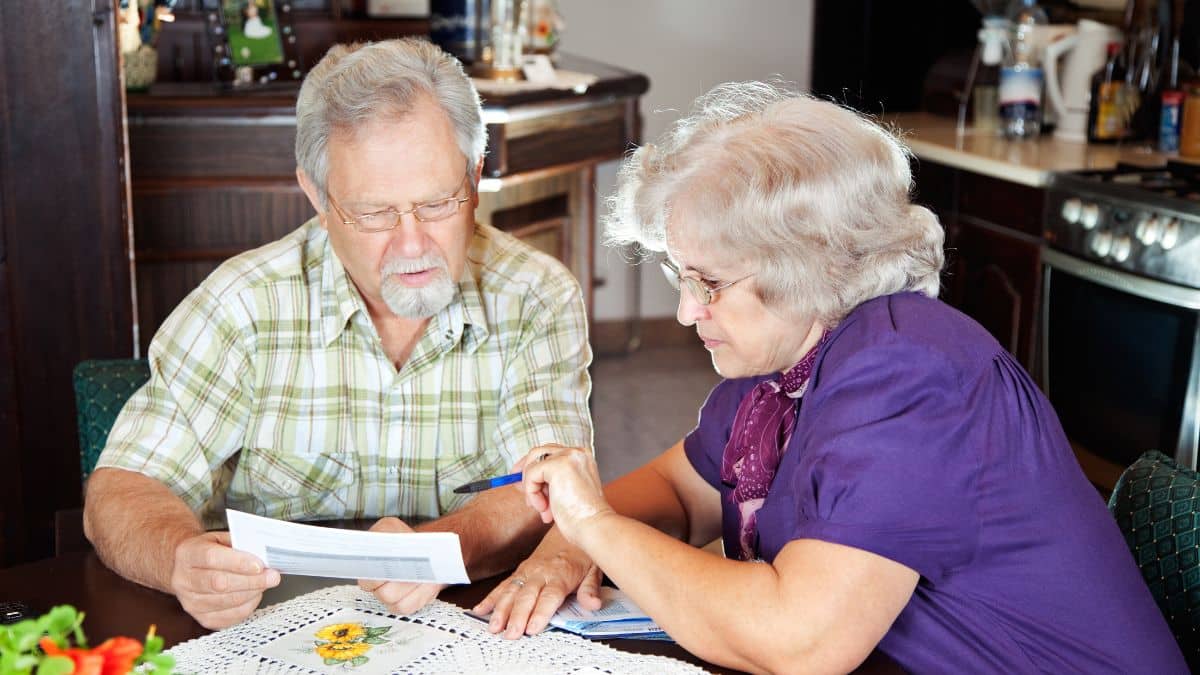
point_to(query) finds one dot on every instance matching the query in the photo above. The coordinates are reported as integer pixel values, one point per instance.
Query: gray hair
(355, 84)
(815, 194)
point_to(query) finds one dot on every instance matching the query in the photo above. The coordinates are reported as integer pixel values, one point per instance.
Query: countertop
(1029, 162)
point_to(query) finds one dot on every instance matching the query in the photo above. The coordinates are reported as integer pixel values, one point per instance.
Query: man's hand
(401, 597)
(217, 585)
(524, 603)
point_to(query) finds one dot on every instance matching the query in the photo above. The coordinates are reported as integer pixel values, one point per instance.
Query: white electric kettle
(1085, 52)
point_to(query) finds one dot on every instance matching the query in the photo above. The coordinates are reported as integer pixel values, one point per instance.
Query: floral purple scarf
(762, 428)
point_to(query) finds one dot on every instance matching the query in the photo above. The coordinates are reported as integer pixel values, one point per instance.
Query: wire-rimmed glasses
(389, 219)
(702, 292)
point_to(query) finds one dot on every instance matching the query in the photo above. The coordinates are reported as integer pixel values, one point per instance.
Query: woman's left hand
(563, 486)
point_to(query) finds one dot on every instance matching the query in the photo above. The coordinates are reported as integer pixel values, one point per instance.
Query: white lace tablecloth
(473, 649)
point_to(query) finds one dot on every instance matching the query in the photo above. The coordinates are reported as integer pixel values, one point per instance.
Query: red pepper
(114, 656)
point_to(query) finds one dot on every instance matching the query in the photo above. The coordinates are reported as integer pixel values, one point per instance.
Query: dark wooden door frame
(64, 259)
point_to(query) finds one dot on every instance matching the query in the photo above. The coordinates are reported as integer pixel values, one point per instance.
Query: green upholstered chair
(101, 389)
(1157, 506)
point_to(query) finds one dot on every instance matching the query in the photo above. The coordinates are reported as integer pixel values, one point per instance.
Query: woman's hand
(563, 486)
(524, 603)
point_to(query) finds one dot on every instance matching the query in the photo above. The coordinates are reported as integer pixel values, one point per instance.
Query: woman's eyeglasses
(702, 292)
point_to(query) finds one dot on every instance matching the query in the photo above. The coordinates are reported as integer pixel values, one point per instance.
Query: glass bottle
(1108, 110)
(985, 95)
(1021, 77)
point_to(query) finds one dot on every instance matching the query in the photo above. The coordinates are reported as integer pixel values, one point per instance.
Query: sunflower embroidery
(341, 632)
(341, 651)
(347, 644)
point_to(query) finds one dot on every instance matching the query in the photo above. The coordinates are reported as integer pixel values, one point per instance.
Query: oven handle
(1122, 281)
(1187, 452)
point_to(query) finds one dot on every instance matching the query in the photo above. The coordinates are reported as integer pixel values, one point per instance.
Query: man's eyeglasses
(702, 292)
(389, 219)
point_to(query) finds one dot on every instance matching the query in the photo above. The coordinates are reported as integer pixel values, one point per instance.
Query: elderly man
(362, 366)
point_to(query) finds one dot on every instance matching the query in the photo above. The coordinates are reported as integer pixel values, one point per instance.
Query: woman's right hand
(524, 603)
(563, 485)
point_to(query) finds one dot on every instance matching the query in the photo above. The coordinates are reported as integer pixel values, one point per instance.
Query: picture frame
(253, 42)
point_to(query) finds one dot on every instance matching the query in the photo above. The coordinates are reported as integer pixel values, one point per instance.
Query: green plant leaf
(376, 631)
(359, 660)
(17, 663)
(152, 645)
(25, 635)
(56, 665)
(332, 662)
(62, 619)
(161, 663)
(375, 641)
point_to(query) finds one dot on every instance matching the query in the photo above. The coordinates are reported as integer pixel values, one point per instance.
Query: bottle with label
(1021, 77)
(1108, 110)
(985, 98)
(1189, 128)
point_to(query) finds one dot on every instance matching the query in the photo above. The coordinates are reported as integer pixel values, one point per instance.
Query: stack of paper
(619, 617)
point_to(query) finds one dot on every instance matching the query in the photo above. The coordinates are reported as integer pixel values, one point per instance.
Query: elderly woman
(882, 473)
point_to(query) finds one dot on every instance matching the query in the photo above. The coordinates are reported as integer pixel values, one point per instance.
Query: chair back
(1157, 506)
(101, 389)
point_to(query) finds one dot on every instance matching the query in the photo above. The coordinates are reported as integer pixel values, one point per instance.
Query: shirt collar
(463, 320)
(339, 298)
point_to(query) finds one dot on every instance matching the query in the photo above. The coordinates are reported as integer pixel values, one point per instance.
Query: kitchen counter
(1030, 162)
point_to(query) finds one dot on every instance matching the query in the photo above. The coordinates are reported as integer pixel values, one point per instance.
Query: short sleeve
(191, 415)
(705, 444)
(546, 381)
(888, 465)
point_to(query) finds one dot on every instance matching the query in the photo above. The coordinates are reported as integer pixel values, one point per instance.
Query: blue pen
(489, 483)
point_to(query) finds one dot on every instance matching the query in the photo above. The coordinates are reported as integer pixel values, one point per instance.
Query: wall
(684, 47)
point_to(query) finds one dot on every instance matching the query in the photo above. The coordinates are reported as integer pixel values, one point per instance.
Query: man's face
(391, 166)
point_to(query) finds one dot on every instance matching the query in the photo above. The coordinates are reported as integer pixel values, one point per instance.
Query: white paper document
(618, 617)
(293, 548)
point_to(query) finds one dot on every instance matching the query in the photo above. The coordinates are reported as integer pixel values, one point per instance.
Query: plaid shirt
(270, 391)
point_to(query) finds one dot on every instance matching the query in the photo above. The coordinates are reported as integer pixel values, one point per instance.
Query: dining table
(115, 606)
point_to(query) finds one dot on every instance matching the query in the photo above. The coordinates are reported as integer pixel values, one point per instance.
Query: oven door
(1120, 364)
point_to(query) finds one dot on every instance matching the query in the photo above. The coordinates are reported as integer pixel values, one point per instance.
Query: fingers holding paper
(217, 585)
(563, 486)
(401, 597)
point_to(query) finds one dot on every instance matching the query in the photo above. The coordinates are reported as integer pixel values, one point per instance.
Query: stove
(1136, 219)
(1120, 314)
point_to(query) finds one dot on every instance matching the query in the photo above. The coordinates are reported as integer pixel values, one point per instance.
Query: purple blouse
(921, 440)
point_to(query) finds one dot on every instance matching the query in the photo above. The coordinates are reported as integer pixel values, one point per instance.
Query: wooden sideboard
(213, 174)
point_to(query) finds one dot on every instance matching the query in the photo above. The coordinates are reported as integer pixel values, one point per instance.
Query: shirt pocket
(291, 486)
(453, 471)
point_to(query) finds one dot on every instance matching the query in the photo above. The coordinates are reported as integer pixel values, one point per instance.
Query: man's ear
(476, 178)
(310, 191)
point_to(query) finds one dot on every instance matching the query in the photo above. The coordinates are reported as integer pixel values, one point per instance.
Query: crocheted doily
(470, 649)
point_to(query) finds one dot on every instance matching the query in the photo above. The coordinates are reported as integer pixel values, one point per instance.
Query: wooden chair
(101, 389)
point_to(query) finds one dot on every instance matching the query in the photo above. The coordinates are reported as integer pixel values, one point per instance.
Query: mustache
(408, 265)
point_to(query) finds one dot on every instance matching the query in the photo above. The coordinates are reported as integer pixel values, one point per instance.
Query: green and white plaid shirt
(270, 391)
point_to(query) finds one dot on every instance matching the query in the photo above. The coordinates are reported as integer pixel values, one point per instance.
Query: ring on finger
(517, 582)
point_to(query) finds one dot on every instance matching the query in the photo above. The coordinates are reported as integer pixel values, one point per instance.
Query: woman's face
(744, 336)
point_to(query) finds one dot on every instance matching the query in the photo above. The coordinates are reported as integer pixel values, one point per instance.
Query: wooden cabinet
(994, 275)
(993, 251)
